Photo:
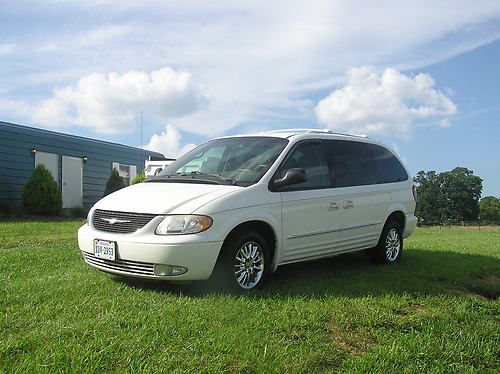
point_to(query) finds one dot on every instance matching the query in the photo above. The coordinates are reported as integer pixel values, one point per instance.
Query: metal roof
(61, 135)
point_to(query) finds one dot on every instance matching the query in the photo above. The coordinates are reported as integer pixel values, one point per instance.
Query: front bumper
(136, 255)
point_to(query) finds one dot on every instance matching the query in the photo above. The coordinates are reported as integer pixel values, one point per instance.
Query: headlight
(180, 225)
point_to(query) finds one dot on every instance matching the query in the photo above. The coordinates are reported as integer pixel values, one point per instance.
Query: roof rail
(318, 131)
(353, 135)
(289, 130)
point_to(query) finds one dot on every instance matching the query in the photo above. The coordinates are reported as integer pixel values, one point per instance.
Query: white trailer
(154, 165)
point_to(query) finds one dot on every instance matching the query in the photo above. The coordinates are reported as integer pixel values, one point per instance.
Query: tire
(244, 262)
(390, 245)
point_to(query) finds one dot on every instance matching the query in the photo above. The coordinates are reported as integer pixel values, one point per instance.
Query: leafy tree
(139, 178)
(41, 194)
(490, 209)
(448, 196)
(430, 197)
(462, 191)
(115, 183)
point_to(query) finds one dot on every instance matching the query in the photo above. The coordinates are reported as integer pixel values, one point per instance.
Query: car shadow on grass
(420, 271)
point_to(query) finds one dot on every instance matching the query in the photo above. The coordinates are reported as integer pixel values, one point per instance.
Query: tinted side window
(351, 163)
(360, 164)
(389, 168)
(310, 157)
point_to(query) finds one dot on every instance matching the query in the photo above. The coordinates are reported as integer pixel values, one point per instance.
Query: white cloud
(101, 35)
(18, 108)
(257, 59)
(7, 48)
(169, 142)
(444, 123)
(389, 103)
(111, 104)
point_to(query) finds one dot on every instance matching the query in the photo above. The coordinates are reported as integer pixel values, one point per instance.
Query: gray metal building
(81, 166)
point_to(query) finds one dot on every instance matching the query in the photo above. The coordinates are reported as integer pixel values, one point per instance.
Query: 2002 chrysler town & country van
(241, 206)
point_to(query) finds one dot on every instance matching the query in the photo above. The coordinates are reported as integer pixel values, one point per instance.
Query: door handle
(348, 204)
(333, 206)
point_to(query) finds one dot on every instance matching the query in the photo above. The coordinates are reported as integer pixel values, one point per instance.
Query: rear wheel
(244, 262)
(390, 246)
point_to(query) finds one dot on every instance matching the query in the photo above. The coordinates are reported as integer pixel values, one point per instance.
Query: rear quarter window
(359, 164)
(390, 169)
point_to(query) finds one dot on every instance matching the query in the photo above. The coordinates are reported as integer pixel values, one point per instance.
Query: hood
(163, 198)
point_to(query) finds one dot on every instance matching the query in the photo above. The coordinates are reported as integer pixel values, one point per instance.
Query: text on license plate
(104, 249)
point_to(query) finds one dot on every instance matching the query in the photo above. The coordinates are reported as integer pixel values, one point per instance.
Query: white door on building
(50, 161)
(72, 182)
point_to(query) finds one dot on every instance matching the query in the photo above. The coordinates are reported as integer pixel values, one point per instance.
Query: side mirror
(158, 171)
(292, 176)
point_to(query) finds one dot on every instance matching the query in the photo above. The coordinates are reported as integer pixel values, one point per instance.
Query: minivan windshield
(238, 161)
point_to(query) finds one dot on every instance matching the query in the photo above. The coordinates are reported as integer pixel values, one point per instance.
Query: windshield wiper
(194, 174)
(214, 175)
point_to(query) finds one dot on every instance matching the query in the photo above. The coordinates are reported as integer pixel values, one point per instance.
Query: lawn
(437, 311)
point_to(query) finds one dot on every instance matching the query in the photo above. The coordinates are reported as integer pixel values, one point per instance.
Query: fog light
(166, 270)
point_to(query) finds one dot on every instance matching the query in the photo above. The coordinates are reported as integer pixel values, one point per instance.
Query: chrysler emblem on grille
(112, 221)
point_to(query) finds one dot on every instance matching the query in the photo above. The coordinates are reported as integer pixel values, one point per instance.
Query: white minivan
(238, 207)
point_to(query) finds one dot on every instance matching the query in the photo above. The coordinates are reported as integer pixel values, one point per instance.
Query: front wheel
(390, 246)
(244, 262)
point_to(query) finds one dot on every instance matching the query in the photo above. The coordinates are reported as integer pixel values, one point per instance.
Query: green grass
(436, 312)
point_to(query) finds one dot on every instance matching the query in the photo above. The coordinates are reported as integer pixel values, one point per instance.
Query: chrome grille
(131, 267)
(124, 222)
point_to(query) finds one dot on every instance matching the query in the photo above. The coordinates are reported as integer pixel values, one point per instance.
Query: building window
(127, 172)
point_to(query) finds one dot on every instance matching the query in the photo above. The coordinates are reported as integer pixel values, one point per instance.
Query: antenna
(142, 125)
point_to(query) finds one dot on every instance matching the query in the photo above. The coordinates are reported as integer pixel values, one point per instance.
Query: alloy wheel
(392, 245)
(249, 265)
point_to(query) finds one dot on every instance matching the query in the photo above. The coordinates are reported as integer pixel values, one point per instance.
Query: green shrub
(41, 194)
(139, 178)
(115, 183)
(75, 212)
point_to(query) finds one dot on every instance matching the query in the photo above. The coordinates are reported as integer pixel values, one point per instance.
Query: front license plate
(104, 249)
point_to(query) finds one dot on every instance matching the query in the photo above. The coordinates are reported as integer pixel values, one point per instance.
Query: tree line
(453, 197)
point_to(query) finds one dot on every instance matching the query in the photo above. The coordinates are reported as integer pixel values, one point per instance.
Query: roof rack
(289, 130)
(318, 131)
(353, 135)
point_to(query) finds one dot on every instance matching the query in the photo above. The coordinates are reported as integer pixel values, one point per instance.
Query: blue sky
(422, 76)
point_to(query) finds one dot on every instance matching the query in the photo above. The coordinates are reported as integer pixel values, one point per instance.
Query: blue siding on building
(17, 161)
